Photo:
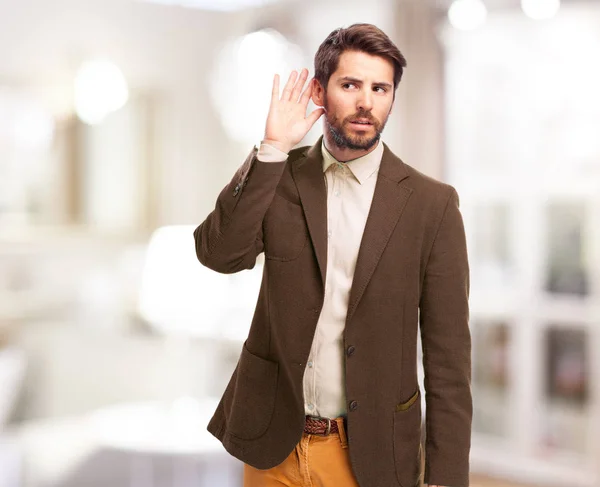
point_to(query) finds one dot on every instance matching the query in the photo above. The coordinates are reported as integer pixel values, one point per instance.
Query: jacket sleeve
(230, 238)
(446, 340)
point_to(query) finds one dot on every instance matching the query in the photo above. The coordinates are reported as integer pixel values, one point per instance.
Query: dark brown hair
(358, 37)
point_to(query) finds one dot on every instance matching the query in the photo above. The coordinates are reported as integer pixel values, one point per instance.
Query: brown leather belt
(320, 426)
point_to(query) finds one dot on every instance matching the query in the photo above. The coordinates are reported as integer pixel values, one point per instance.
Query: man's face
(358, 100)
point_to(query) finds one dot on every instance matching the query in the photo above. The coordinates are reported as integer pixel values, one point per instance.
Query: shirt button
(329, 233)
(337, 193)
(310, 406)
(350, 350)
(353, 406)
(310, 364)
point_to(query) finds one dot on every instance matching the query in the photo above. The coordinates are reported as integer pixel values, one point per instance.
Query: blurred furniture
(12, 372)
(176, 431)
(150, 444)
(10, 463)
(60, 273)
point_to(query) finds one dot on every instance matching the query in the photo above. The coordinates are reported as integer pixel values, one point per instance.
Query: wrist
(282, 146)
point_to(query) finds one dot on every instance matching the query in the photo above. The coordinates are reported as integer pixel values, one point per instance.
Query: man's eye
(381, 90)
(348, 85)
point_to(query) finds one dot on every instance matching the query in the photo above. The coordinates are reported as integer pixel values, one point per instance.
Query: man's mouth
(361, 122)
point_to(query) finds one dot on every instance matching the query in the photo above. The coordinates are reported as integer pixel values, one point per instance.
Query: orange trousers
(317, 461)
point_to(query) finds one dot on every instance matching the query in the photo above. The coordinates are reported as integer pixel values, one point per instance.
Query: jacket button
(353, 406)
(236, 190)
(350, 350)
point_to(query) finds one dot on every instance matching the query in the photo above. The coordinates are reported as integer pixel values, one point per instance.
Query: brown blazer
(412, 269)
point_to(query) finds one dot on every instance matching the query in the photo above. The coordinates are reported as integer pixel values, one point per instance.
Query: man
(360, 249)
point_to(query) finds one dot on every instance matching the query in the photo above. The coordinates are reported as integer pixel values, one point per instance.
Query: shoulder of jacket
(431, 186)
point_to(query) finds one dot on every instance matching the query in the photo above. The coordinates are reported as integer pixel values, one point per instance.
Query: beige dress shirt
(350, 189)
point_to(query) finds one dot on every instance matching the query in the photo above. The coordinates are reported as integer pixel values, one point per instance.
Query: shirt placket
(334, 201)
(311, 387)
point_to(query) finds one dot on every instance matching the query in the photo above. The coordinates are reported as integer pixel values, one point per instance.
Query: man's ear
(318, 94)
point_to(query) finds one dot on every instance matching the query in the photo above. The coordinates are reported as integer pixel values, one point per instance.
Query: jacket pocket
(285, 231)
(407, 441)
(253, 400)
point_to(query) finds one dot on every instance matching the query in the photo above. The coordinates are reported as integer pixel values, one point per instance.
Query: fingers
(299, 85)
(307, 93)
(294, 85)
(287, 91)
(275, 93)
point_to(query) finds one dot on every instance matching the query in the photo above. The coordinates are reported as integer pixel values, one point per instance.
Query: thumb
(314, 116)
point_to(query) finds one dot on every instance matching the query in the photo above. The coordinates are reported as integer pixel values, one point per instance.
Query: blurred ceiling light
(540, 9)
(217, 5)
(467, 14)
(100, 88)
(242, 82)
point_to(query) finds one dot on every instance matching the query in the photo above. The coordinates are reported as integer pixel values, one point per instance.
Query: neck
(343, 154)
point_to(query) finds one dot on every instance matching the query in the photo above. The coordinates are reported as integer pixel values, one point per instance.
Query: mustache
(364, 115)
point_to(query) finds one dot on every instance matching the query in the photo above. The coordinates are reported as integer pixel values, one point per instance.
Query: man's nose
(365, 100)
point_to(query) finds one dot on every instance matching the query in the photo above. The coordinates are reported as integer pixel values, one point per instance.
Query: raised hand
(287, 123)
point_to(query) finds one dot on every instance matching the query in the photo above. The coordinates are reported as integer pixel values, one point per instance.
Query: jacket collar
(362, 167)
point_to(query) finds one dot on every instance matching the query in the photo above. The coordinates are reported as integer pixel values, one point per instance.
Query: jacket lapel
(388, 204)
(389, 200)
(308, 175)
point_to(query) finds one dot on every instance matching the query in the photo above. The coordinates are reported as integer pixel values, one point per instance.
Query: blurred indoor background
(121, 121)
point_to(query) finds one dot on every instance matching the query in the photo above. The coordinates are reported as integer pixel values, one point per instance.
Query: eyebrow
(356, 80)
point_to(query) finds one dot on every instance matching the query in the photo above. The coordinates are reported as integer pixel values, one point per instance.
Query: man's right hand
(287, 123)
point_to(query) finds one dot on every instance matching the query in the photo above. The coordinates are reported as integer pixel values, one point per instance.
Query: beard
(342, 135)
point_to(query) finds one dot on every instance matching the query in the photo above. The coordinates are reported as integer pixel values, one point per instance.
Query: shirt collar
(362, 168)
